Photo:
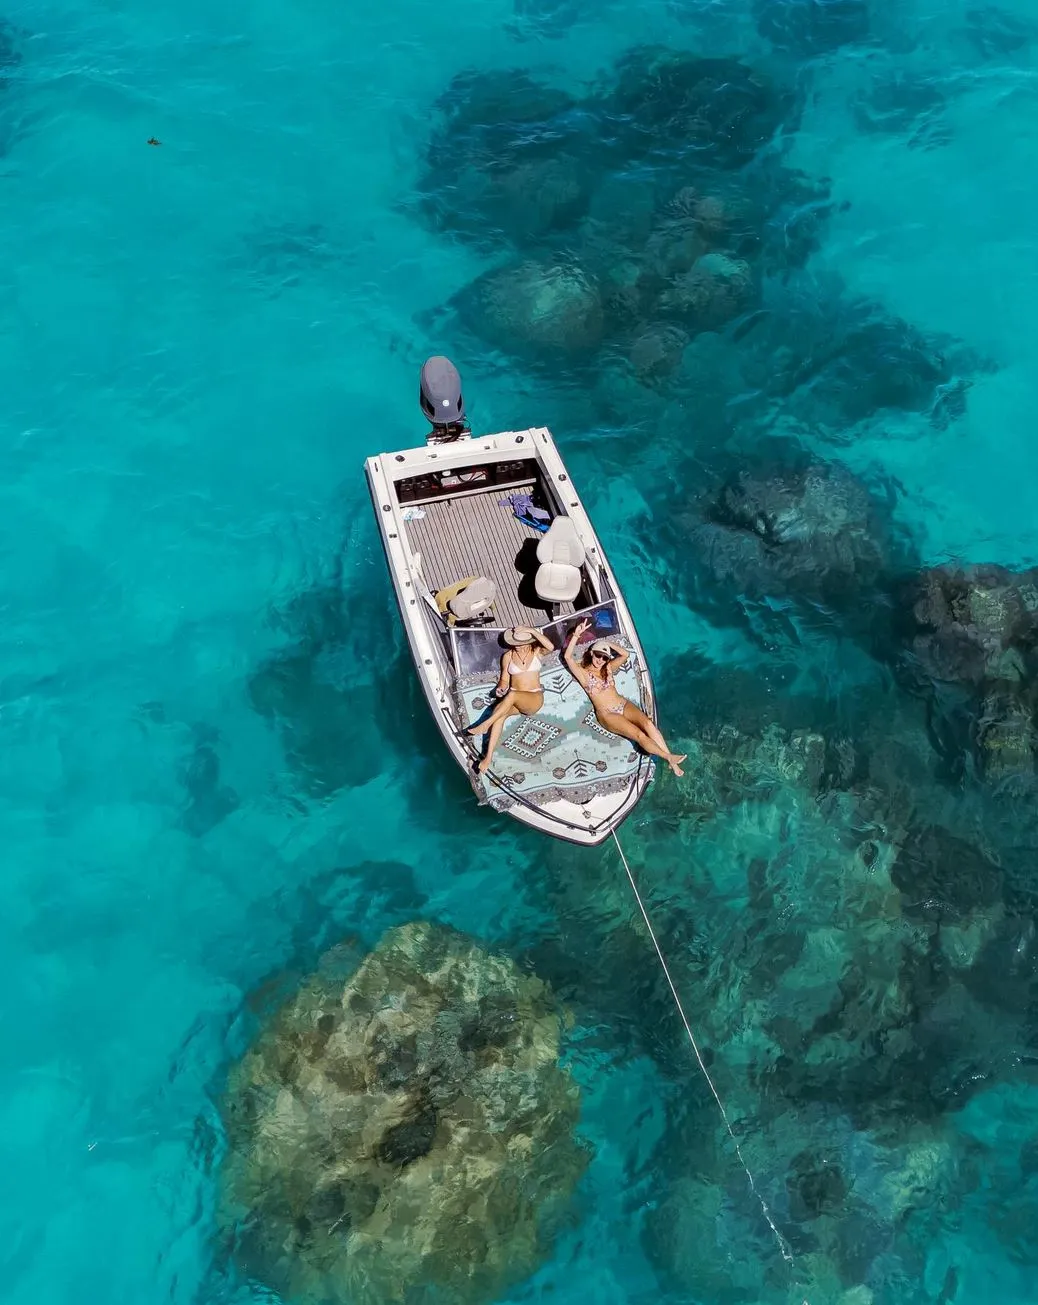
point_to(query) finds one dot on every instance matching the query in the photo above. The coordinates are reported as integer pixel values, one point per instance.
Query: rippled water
(214, 763)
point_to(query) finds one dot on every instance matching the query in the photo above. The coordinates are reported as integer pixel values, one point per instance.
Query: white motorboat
(483, 533)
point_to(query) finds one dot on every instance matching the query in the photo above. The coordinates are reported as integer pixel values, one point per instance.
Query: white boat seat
(471, 599)
(475, 600)
(557, 582)
(561, 544)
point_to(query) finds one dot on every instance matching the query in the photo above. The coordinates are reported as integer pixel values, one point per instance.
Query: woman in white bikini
(519, 687)
(618, 715)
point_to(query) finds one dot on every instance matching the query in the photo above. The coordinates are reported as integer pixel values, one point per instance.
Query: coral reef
(975, 629)
(813, 27)
(659, 205)
(997, 33)
(795, 537)
(538, 306)
(850, 920)
(208, 801)
(406, 1135)
(717, 111)
(858, 967)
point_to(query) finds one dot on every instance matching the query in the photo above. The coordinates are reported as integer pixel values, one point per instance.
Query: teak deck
(474, 535)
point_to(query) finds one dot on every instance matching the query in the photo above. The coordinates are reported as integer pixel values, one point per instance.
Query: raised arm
(569, 652)
(542, 639)
(620, 655)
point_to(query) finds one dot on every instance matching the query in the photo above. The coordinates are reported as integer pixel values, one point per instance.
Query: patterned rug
(562, 752)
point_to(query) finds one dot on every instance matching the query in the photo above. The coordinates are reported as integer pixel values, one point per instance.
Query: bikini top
(531, 667)
(596, 683)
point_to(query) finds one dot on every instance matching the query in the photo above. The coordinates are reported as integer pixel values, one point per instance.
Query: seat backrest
(561, 544)
(476, 599)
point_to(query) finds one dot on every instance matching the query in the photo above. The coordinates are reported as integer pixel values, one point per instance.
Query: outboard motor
(439, 393)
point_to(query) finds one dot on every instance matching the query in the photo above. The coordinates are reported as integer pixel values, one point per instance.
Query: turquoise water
(214, 764)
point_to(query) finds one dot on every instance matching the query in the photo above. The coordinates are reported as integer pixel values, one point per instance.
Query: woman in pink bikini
(519, 687)
(618, 715)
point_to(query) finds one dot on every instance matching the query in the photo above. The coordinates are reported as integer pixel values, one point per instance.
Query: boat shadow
(526, 565)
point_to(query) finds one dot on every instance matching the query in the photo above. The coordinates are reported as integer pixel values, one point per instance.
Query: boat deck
(475, 534)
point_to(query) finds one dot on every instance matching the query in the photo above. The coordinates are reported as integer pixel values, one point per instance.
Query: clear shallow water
(200, 344)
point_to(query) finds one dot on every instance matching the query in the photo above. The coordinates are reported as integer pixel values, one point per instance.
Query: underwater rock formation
(514, 161)
(208, 800)
(13, 122)
(976, 628)
(539, 307)
(515, 155)
(793, 528)
(942, 875)
(911, 107)
(812, 27)
(668, 185)
(998, 34)
(656, 352)
(407, 1136)
(975, 624)
(306, 695)
(546, 19)
(839, 363)
(817, 523)
(714, 291)
(10, 56)
(840, 1023)
(715, 112)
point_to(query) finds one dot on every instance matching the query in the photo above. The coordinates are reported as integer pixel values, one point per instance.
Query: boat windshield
(477, 649)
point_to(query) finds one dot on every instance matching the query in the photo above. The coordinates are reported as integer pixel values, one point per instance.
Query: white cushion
(476, 599)
(556, 582)
(561, 544)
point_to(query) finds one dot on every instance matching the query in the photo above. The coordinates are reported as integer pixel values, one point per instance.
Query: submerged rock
(208, 800)
(711, 293)
(998, 34)
(975, 628)
(657, 352)
(716, 112)
(407, 1136)
(1006, 740)
(810, 531)
(815, 1185)
(811, 27)
(543, 308)
(975, 624)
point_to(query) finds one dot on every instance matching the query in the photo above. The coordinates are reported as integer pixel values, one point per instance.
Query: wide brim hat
(516, 638)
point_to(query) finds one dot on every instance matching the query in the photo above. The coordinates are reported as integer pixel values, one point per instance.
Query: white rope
(782, 1243)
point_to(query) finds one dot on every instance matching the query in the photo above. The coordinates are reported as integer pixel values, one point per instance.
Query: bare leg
(646, 723)
(503, 709)
(525, 701)
(495, 734)
(629, 730)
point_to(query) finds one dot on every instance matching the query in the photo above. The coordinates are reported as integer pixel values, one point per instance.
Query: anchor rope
(783, 1245)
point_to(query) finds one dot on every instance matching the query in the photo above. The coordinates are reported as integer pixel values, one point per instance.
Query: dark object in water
(717, 112)
(811, 27)
(816, 1185)
(942, 876)
(950, 1285)
(209, 801)
(996, 33)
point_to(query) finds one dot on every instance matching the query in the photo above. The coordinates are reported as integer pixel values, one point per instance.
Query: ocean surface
(769, 269)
